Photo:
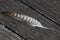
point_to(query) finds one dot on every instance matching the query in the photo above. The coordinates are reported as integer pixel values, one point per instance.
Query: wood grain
(6, 34)
(28, 32)
(49, 8)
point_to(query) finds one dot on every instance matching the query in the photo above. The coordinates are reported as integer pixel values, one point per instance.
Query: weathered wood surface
(49, 8)
(28, 32)
(6, 34)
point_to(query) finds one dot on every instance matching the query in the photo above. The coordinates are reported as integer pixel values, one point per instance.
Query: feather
(27, 19)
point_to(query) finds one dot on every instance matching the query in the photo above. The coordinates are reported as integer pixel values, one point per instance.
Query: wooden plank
(28, 32)
(49, 8)
(6, 34)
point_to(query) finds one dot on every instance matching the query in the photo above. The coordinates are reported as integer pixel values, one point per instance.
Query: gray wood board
(49, 8)
(28, 32)
(6, 34)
